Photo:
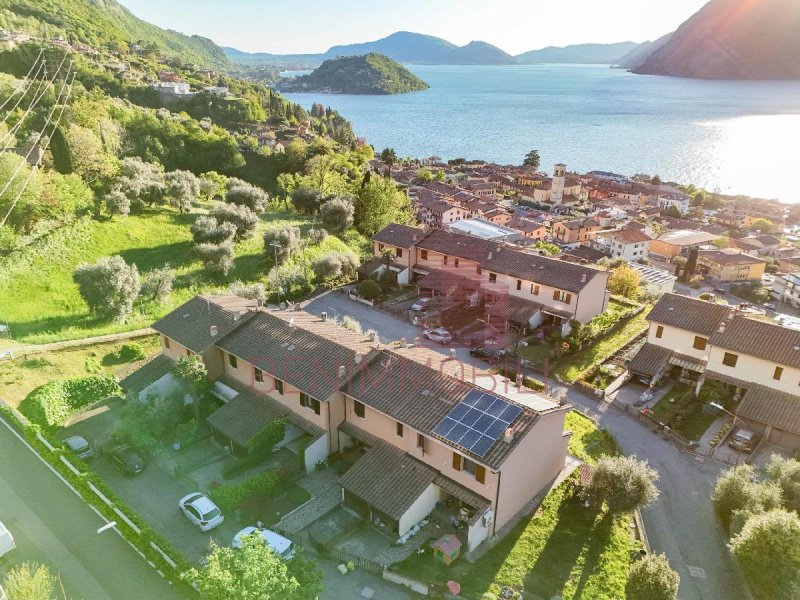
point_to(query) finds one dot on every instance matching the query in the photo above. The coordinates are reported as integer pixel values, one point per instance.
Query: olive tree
(182, 189)
(306, 200)
(117, 203)
(651, 578)
(283, 240)
(246, 194)
(254, 291)
(335, 265)
(207, 230)
(217, 258)
(623, 483)
(241, 217)
(785, 472)
(737, 490)
(157, 285)
(337, 213)
(109, 286)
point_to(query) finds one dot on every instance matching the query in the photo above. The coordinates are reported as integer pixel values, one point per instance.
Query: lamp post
(275, 247)
(102, 529)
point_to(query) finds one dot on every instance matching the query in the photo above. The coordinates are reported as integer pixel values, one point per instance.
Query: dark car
(492, 355)
(128, 459)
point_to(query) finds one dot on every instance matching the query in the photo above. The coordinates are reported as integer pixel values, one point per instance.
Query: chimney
(358, 358)
(722, 327)
(237, 315)
(403, 343)
(490, 256)
(452, 352)
(373, 336)
(519, 380)
(324, 316)
(291, 322)
(583, 278)
(508, 436)
(213, 331)
(342, 371)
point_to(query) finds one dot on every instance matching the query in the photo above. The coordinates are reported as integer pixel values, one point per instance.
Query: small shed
(447, 548)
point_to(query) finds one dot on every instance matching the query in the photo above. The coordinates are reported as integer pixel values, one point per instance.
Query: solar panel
(478, 421)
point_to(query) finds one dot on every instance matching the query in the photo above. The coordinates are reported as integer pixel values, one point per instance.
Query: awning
(716, 375)
(148, 373)
(688, 362)
(243, 417)
(650, 360)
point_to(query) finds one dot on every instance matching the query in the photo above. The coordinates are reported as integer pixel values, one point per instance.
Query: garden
(564, 550)
(688, 414)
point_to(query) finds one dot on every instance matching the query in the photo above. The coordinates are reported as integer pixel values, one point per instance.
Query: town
(240, 342)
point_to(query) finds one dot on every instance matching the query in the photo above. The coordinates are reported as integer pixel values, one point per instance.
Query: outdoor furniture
(447, 548)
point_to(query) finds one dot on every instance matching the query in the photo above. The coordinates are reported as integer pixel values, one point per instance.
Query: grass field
(24, 373)
(683, 412)
(563, 550)
(40, 302)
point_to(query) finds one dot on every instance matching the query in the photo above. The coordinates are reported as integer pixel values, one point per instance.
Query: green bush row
(229, 496)
(51, 404)
(141, 541)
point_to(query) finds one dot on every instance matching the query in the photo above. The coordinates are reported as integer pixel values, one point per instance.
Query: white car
(7, 543)
(440, 334)
(277, 543)
(421, 304)
(201, 511)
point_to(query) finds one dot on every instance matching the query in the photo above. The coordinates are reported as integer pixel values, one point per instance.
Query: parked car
(201, 511)
(743, 440)
(440, 334)
(423, 304)
(79, 446)
(492, 355)
(769, 305)
(7, 543)
(128, 459)
(279, 544)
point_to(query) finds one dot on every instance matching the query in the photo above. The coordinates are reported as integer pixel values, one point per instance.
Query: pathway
(325, 496)
(100, 339)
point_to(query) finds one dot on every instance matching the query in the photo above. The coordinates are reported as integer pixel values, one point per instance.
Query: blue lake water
(732, 136)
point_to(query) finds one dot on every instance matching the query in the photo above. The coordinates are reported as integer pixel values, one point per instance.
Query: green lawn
(564, 549)
(573, 367)
(683, 412)
(41, 303)
(23, 374)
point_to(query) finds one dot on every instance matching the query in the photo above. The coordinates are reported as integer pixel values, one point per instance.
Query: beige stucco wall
(757, 370)
(420, 509)
(678, 340)
(660, 248)
(536, 461)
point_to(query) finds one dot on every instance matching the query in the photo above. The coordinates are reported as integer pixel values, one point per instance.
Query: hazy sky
(300, 26)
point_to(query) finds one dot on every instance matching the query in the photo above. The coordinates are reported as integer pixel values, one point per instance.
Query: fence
(370, 566)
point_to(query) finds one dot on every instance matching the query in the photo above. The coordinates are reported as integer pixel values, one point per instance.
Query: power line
(41, 133)
(43, 64)
(34, 103)
(24, 79)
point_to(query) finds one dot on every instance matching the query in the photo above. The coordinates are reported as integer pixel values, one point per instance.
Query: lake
(737, 137)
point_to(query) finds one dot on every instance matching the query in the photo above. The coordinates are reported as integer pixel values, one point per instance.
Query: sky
(516, 26)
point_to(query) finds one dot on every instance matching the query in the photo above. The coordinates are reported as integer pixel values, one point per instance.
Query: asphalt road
(52, 526)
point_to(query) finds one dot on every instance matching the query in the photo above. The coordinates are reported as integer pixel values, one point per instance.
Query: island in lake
(368, 74)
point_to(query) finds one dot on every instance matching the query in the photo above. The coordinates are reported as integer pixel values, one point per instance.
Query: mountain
(578, 54)
(479, 53)
(367, 74)
(733, 39)
(103, 22)
(637, 57)
(402, 46)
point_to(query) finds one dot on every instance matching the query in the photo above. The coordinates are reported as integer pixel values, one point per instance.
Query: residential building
(675, 243)
(674, 200)
(400, 241)
(786, 289)
(173, 88)
(575, 231)
(532, 229)
(789, 264)
(408, 411)
(630, 244)
(730, 265)
(437, 212)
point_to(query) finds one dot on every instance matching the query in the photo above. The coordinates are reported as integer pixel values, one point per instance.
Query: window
(457, 461)
(423, 254)
(659, 331)
(561, 296)
(398, 252)
(778, 373)
(358, 409)
(399, 429)
(534, 289)
(729, 360)
(519, 284)
(309, 402)
(166, 342)
(421, 442)
(381, 247)
(232, 361)
(444, 259)
(478, 270)
(258, 374)
(699, 343)
(474, 469)
(279, 386)
(455, 263)
(492, 277)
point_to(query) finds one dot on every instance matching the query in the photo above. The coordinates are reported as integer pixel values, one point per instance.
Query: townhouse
(430, 432)
(554, 292)
(760, 361)
(575, 231)
(730, 265)
(631, 244)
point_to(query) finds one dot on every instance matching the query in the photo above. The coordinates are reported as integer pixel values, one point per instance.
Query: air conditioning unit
(488, 517)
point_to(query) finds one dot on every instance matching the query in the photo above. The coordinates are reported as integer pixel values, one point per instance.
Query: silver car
(79, 446)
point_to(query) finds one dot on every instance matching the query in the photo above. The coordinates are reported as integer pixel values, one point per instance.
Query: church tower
(559, 179)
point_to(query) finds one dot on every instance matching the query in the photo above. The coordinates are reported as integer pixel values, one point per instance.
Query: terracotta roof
(650, 360)
(579, 223)
(190, 324)
(150, 372)
(501, 258)
(771, 407)
(401, 236)
(631, 236)
(388, 479)
(420, 396)
(521, 311)
(729, 258)
(443, 280)
(298, 348)
(690, 314)
(524, 225)
(768, 341)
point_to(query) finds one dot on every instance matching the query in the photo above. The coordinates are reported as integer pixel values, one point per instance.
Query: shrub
(651, 578)
(229, 496)
(217, 258)
(254, 291)
(130, 352)
(623, 483)
(29, 581)
(109, 286)
(207, 230)
(51, 404)
(369, 289)
(351, 324)
(768, 552)
(241, 217)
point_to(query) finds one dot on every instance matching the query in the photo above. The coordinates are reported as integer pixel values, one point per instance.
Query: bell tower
(559, 179)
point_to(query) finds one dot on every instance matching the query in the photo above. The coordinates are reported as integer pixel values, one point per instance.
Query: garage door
(785, 439)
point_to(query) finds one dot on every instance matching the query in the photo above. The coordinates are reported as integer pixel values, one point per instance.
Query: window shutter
(555, 294)
(480, 474)
(456, 461)
(569, 299)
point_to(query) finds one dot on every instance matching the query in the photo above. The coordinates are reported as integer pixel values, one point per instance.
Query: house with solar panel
(425, 433)
(541, 290)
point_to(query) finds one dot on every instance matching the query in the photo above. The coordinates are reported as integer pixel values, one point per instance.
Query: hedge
(229, 496)
(141, 541)
(51, 404)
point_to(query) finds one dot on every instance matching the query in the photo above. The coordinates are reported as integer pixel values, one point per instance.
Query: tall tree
(624, 281)
(379, 203)
(623, 483)
(532, 159)
(337, 213)
(109, 286)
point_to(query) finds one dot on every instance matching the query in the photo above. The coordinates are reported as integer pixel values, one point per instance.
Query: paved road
(54, 527)
(681, 523)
